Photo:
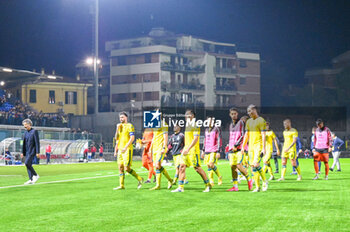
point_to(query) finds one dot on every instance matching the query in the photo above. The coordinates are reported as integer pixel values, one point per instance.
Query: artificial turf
(90, 204)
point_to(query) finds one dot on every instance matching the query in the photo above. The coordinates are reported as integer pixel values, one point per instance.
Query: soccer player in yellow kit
(289, 148)
(159, 148)
(125, 135)
(270, 139)
(190, 155)
(255, 133)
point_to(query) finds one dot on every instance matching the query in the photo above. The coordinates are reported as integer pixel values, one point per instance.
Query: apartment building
(169, 70)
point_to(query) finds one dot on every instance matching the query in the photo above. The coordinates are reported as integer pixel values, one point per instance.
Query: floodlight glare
(89, 61)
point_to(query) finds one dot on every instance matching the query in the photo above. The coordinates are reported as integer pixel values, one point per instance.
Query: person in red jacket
(93, 151)
(48, 153)
(86, 151)
(100, 150)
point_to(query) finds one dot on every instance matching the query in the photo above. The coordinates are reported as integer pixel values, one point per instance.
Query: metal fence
(66, 146)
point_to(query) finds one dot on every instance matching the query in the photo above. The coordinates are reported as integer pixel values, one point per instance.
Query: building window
(52, 97)
(243, 63)
(135, 78)
(151, 77)
(135, 43)
(126, 97)
(155, 58)
(116, 46)
(206, 47)
(148, 58)
(185, 60)
(121, 97)
(172, 60)
(178, 78)
(224, 63)
(121, 60)
(218, 62)
(71, 97)
(151, 96)
(130, 60)
(32, 96)
(242, 81)
(218, 99)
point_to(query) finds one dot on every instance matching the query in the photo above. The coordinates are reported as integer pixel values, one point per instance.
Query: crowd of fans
(14, 113)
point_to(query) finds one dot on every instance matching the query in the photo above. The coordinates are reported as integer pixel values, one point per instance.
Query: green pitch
(79, 197)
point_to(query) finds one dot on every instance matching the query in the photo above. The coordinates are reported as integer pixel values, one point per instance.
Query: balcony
(168, 87)
(173, 102)
(226, 71)
(182, 68)
(223, 104)
(225, 88)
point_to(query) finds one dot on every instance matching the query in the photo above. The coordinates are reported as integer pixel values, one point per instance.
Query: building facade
(55, 96)
(327, 77)
(168, 70)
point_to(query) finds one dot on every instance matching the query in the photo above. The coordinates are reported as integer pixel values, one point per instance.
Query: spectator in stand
(13, 112)
(48, 153)
(93, 151)
(101, 151)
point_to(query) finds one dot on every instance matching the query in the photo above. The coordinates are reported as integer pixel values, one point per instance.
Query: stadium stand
(12, 112)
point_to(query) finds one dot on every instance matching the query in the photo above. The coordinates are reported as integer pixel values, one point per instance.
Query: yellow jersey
(288, 136)
(190, 134)
(158, 137)
(254, 127)
(270, 136)
(124, 132)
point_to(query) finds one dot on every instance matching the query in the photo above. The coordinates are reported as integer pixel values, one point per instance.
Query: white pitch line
(70, 180)
(10, 175)
(61, 181)
(56, 181)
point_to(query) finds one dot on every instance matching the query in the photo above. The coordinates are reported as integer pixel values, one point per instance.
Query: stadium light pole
(96, 56)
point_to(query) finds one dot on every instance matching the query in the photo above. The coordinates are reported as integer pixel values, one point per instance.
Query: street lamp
(90, 61)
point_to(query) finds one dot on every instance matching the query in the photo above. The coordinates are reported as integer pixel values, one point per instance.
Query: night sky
(293, 35)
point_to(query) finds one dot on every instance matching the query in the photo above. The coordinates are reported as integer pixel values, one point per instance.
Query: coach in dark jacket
(31, 148)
